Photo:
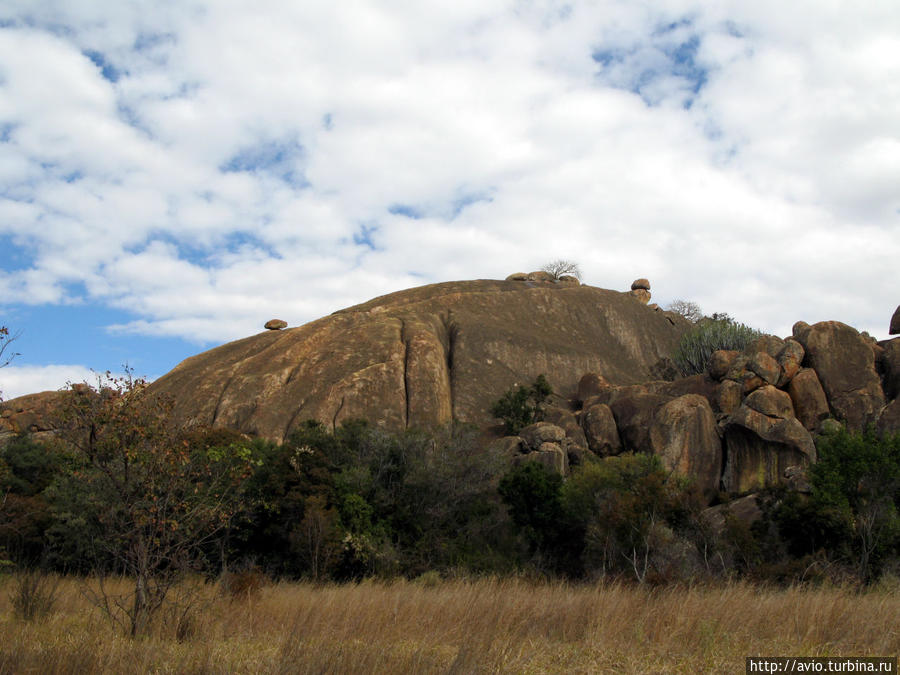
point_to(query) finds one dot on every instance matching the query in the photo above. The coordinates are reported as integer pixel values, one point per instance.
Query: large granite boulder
(895, 322)
(32, 413)
(684, 436)
(808, 398)
(890, 367)
(845, 364)
(599, 427)
(634, 417)
(422, 357)
(762, 439)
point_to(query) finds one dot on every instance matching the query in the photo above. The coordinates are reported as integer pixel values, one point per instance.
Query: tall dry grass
(477, 626)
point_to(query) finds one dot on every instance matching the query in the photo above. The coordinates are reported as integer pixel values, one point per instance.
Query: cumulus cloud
(20, 380)
(206, 166)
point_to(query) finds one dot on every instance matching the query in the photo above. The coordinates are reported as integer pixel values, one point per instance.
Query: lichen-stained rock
(684, 436)
(890, 367)
(770, 401)
(534, 435)
(567, 421)
(759, 447)
(810, 404)
(600, 430)
(720, 363)
(790, 360)
(728, 397)
(634, 417)
(589, 385)
(845, 365)
(422, 356)
(889, 418)
(765, 366)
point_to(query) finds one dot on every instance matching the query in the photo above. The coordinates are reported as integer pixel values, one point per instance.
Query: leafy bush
(707, 336)
(521, 406)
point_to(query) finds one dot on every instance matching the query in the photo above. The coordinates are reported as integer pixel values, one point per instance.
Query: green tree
(856, 481)
(150, 500)
(521, 406)
(532, 493)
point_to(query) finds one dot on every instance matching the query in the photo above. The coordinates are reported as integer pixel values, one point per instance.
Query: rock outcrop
(275, 324)
(895, 323)
(845, 365)
(423, 356)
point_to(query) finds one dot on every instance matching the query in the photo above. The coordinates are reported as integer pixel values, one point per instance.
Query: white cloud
(208, 167)
(20, 380)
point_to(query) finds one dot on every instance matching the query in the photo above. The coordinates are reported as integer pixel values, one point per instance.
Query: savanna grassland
(454, 626)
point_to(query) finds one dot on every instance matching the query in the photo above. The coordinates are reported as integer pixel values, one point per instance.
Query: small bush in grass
(33, 594)
(711, 334)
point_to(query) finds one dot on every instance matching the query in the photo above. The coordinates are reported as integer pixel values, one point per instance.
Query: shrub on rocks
(708, 336)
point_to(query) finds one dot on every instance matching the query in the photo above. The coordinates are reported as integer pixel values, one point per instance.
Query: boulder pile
(746, 423)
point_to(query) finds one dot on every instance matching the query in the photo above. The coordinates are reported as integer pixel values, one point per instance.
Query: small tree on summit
(561, 268)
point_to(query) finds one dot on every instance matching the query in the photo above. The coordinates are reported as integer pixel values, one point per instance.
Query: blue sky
(172, 175)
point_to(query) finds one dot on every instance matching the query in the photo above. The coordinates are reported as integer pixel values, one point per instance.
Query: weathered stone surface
(693, 384)
(889, 419)
(421, 357)
(684, 436)
(789, 359)
(34, 413)
(567, 421)
(640, 284)
(744, 509)
(599, 427)
(796, 479)
(758, 448)
(517, 276)
(895, 322)
(765, 366)
(845, 364)
(770, 401)
(741, 373)
(808, 398)
(275, 324)
(551, 455)
(768, 344)
(591, 384)
(509, 446)
(728, 396)
(569, 279)
(720, 363)
(634, 417)
(640, 295)
(890, 368)
(540, 275)
(541, 432)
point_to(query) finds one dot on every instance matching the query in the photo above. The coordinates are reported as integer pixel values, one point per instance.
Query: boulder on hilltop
(423, 356)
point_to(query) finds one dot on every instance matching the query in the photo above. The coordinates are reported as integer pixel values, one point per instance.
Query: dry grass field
(478, 626)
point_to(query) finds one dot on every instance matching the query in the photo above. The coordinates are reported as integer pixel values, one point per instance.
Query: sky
(174, 173)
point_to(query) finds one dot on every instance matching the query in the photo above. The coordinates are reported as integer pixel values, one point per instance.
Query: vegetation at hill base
(120, 492)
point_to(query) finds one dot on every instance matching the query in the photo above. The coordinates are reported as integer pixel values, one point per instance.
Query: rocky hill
(424, 356)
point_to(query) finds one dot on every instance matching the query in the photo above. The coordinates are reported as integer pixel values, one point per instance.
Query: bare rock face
(535, 435)
(600, 430)
(760, 447)
(808, 397)
(640, 284)
(890, 367)
(895, 322)
(684, 436)
(889, 419)
(422, 357)
(634, 416)
(845, 364)
(589, 385)
(32, 413)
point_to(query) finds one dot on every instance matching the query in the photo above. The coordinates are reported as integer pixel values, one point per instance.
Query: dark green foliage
(719, 331)
(532, 493)
(851, 518)
(629, 509)
(521, 406)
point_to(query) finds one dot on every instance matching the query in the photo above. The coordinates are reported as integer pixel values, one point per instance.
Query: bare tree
(689, 310)
(562, 268)
(5, 355)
